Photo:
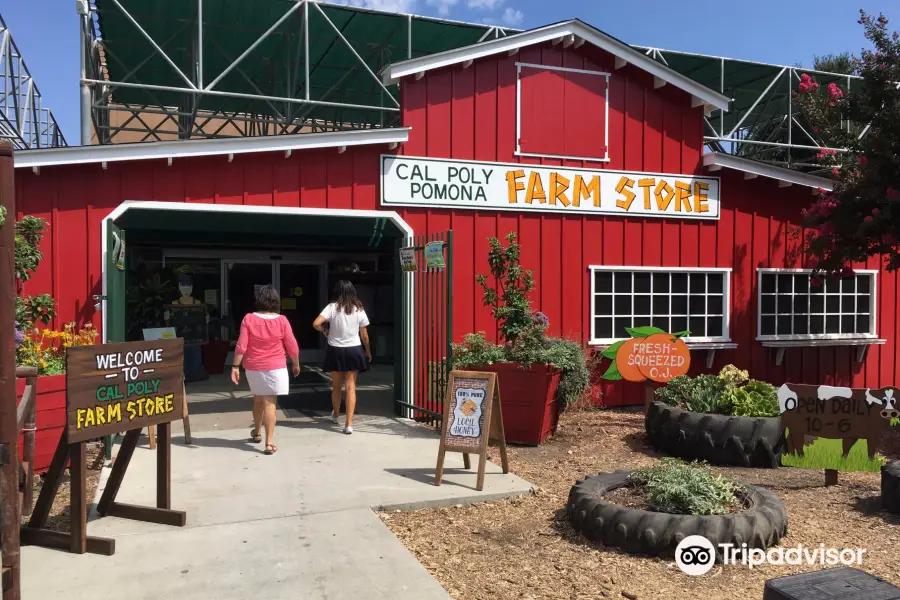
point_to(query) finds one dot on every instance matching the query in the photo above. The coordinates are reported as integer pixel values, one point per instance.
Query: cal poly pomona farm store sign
(442, 183)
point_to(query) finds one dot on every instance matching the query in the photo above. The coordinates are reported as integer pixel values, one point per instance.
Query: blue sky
(777, 31)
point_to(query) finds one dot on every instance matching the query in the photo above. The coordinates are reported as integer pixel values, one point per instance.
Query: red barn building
(591, 151)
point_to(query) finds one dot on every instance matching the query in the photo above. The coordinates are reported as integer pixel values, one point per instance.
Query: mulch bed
(525, 548)
(60, 511)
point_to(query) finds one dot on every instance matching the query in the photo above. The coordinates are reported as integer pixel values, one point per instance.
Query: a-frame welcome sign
(113, 388)
(472, 420)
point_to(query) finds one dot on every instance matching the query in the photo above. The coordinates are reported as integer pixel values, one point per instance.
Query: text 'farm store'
(590, 150)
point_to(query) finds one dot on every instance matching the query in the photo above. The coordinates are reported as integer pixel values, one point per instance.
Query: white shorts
(269, 383)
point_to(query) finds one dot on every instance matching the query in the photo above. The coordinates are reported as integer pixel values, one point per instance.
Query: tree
(835, 63)
(860, 217)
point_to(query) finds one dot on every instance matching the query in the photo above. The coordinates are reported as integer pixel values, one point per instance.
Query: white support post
(305, 50)
(758, 100)
(710, 357)
(200, 43)
(779, 356)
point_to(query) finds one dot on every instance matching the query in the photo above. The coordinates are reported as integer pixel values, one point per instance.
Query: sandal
(271, 449)
(255, 435)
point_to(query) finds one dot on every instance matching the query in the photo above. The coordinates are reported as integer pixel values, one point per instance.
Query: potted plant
(650, 510)
(725, 419)
(536, 373)
(40, 347)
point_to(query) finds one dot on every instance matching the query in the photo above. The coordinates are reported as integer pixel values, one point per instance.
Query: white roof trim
(715, 160)
(712, 99)
(213, 147)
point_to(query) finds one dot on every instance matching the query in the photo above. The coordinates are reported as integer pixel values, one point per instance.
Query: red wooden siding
(562, 113)
(75, 199)
(469, 113)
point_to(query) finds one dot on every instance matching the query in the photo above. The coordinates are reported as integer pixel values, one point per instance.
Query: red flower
(815, 130)
(836, 274)
(868, 219)
(835, 172)
(805, 78)
(862, 160)
(875, 212)
(847, 272)
(815, 281)
(892, 193)
(803, 88)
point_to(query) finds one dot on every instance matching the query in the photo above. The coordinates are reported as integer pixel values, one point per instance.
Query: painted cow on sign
(836, 412)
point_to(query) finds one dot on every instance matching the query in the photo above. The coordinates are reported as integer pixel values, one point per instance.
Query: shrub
(476, 350)
(677, 487)
(756, 399)
(725, 394)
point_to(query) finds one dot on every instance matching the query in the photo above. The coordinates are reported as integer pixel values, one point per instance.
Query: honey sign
(650, 354)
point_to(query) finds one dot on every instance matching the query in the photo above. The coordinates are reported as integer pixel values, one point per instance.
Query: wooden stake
(78, 504)
(151, 431)
(831, 477)
(51, 485)
(186, 421)
(648, 396)
(164, 467)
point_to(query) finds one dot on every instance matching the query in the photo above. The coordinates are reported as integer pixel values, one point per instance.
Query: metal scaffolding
(223, 68)
(23, 119)
(762, 124)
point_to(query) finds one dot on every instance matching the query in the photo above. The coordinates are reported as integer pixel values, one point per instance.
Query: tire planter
(761, 525)
(717, 439)
(890, 487)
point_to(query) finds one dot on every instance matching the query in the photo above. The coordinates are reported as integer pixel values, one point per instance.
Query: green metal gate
(431, 316)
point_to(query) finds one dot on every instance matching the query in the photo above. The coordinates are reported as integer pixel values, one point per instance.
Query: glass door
(241, 279)
(303, 296)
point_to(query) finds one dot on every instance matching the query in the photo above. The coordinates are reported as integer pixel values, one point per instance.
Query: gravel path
(525, 549)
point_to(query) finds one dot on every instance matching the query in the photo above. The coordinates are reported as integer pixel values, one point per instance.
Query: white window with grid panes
(791, 308)
(671, 299)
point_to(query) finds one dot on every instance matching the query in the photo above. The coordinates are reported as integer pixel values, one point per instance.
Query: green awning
(276, 66)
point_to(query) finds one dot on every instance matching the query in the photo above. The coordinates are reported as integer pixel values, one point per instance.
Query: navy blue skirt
(343, 360)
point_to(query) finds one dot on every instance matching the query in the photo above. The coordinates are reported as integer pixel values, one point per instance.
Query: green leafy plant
(37, 309)
(676, 487)
(731, 377)
(568, 357)
(703, 393)
(146, 300)
(755, 399)
(509, 303)
(476, 350)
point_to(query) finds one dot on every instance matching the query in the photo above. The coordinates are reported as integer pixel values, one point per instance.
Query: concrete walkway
(299, 524)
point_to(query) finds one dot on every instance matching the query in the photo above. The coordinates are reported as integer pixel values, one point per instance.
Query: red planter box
(214, 355)
(49, 418)
(528, 401)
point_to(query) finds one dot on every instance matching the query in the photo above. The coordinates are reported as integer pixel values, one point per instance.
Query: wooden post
(151, 432)
(78, 502)
(186, 421)
(9, 434)
(648, 395)
(28, 451)
(831, 477)
(164, 467)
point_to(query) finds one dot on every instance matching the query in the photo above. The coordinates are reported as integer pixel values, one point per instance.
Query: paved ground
(298, 524)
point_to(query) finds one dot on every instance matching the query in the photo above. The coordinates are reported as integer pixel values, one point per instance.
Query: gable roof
(574, 32)
(753, 168)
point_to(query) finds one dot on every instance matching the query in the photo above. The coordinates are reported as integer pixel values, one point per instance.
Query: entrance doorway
(302, 291)
(242, 280)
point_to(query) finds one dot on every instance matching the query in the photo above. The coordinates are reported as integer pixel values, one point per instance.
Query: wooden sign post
(472, 420)
(813, 411)
(112, 388)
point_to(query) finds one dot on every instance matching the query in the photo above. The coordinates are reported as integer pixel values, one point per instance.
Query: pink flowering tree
(861, 216)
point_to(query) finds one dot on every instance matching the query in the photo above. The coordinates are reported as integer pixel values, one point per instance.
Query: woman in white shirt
(344, 322)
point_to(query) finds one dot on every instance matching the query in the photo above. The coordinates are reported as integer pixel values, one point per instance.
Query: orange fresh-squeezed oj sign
(650, 354)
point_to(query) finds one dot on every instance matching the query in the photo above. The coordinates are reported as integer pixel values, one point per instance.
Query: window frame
(799, 337)
(518, 152)
(725, 338)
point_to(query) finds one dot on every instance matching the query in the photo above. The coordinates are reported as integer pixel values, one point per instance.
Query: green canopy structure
(187, 69)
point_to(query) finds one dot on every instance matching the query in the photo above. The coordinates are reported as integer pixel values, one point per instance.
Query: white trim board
(213, 147)
(408, 280)
(712, 100)
(745, 165)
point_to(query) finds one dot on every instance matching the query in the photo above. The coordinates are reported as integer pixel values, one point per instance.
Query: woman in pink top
(264, 339)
